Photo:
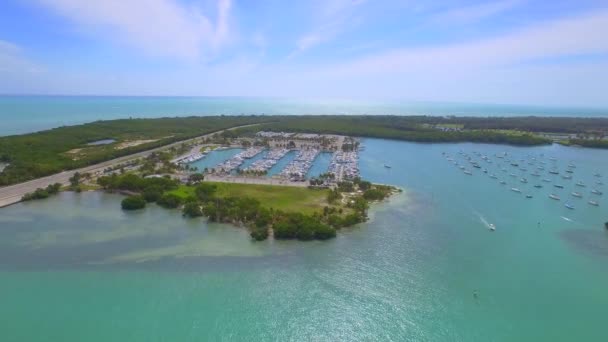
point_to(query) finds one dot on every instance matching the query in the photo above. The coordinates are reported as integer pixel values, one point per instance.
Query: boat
(596, 191)
(576, 194)
(597, 175)
(528, 196)
(569, 171)
(546, 180)
(503, 182)
(572, 166)
(493, 176)
(567, 177)
(515, 164)
(552, 159)
(535, 174)
(512, 175)
(467, 172)
(558, 186)
(538, 186)
(554, 196)
(594, 203)
(492, 227)
(516, 190)
(523, 180)
(599, 182)
(555, 172)
(568, 205)
(387, 166)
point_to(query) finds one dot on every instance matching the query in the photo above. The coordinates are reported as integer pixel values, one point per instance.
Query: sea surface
(23, 114)
(425, 267)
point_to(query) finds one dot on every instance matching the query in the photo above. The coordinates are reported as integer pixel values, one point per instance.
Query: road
(13, 193)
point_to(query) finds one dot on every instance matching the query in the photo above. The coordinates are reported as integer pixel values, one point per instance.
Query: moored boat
(554, 196)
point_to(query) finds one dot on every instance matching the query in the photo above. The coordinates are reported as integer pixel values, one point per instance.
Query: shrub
(170, 201)
(133, 203)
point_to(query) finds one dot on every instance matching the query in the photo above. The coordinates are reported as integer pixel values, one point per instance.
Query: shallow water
(425, 266)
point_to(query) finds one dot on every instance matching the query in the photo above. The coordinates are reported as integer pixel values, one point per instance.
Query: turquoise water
(22, 114)
(280, 165)
(78, 268)
(320, 165)
(214, 158)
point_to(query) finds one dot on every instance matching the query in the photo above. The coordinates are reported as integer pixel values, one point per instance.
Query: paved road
(13, 193)
(249, 180)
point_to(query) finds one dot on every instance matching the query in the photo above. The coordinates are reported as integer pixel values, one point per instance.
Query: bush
(192, 209)
(259, 234)
(133, 203)
(170, 201)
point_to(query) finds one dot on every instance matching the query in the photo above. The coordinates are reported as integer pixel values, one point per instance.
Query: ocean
(24, 114)
(425, 267)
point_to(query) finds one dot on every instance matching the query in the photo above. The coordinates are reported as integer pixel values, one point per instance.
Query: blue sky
(505, 51)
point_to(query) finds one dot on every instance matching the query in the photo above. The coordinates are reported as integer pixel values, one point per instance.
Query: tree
(196, 178)
(170, 201)
(133, 203)
(75, 180)
(205, 191)
(192, 209)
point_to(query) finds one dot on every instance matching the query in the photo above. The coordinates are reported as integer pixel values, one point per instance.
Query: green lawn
(286, 198)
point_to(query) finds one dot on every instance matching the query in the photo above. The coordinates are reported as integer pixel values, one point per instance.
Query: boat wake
(484, 221)
(566, 219)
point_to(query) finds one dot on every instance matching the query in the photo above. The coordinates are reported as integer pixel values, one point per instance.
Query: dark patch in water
(587, 241)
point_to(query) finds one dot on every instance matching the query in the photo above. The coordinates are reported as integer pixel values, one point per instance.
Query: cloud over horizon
(468, 50)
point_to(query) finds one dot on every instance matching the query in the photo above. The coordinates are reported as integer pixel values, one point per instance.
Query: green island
(301, 213)
(29, 156)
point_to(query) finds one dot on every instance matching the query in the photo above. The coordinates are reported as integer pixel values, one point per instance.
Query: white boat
(554, 196)
(558, 186)
(577, 194)
(467, 172)
(596, 191)
(546, 180)
(568, 205)
(523, 180)
(581, 184)
(492, 227)
(594, 203)
(516, 190)
(529, 196)
(503, 182)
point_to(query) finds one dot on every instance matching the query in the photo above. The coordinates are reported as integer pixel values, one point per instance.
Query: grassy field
(286, 198)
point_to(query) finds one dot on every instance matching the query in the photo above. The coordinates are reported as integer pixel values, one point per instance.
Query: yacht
(558, 186)
(594, 203)
(528, 196)
(599, 182)
(538, 186)
(554, 196)
(569, 171)
(596, 191)
(597, 175)
(546, 180)
(503, 182)
(568, 205)
(467, 172)
(493, 176)
(523, 180)
(577, 194)
(581, 184)
(387, 166)
(512, 175)
(492, 227)
(555, 172)
(515, 190)
(572, 166)
(567, 177)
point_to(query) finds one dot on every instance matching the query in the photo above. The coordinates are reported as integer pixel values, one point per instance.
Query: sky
(505, 51)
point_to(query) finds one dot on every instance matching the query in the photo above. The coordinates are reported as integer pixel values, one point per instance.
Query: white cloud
(475, 12)
(12, 60)
(577, 36)
(333, 17)
(160, 27)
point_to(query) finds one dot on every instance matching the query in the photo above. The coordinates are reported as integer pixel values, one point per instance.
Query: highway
(13, 193)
